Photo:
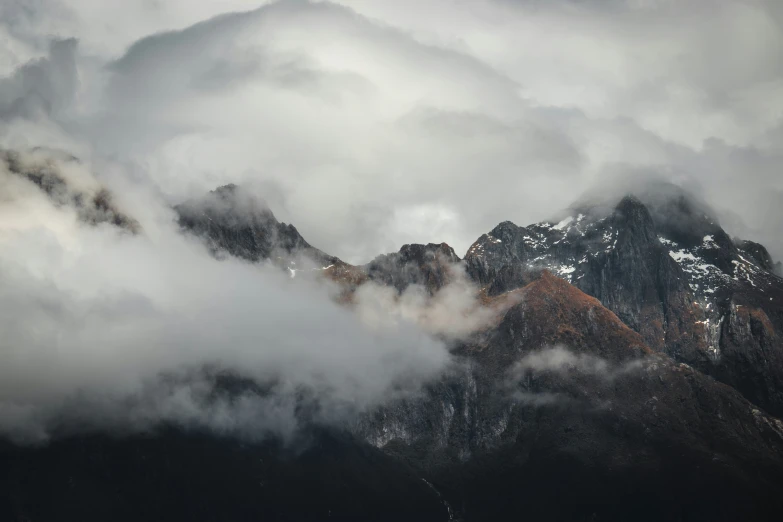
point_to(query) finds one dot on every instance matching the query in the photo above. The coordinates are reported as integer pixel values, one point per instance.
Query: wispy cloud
(565, 366)
(108, 330)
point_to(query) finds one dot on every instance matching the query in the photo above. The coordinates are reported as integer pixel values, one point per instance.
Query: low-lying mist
(104, 329)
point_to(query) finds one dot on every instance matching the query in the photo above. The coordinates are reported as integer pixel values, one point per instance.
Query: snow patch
(564, 270)
(709, 242)
(567, 221)
(682, 255)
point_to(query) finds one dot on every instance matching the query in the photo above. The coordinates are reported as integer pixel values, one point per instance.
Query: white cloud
(491, 110)
(114, 330)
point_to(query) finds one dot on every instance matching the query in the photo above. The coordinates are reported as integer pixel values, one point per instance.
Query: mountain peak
(635, 216)
(422, 253)
(429, 265)
(230, 205)
(47, 169)
(236, 221)
(629, 203)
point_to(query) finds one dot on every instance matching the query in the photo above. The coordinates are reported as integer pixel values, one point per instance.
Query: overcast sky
(372, 123)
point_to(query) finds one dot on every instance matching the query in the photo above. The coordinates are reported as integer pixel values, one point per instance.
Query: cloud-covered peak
(61, 177)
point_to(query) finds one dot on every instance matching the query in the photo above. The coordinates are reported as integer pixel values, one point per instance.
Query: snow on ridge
(567, 221)
(747, 268)
(703, 277)
(565, 270)
(709, 242)
(682, 255)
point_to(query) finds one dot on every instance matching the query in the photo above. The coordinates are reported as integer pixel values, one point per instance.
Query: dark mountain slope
(172, 475)
(607, 430)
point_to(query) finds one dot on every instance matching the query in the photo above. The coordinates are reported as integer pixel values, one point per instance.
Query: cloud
(565, 366)
(362, 115)
(358, 131)
(552, 377)
(41, 87)
(559, 359)
(114, 331)
(453, 313)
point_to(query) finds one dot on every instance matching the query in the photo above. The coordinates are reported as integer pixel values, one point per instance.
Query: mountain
(234, 221)
(606, 430)
(630, 370)
(669, 271)
(427, 265)
(94, 203)
(653, 292)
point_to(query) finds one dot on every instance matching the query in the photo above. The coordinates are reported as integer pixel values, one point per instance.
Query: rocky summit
(631, 368)
(668, 271)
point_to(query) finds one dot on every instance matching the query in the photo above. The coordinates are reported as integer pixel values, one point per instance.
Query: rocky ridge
(691, 291)
(632, 371)
(659, 307)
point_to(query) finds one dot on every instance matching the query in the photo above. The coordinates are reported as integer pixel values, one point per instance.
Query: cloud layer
(108, 329)
(371, 124)
(565, 365)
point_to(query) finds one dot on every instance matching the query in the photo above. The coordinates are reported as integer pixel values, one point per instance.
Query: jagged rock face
(741, 300)
(617, 258)
(235, 222)
(427, 265)
(641, 283)
(615, 410)
(669, 271)
(758, 253)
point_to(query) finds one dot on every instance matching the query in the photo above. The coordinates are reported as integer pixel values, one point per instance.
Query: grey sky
(370, 123)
